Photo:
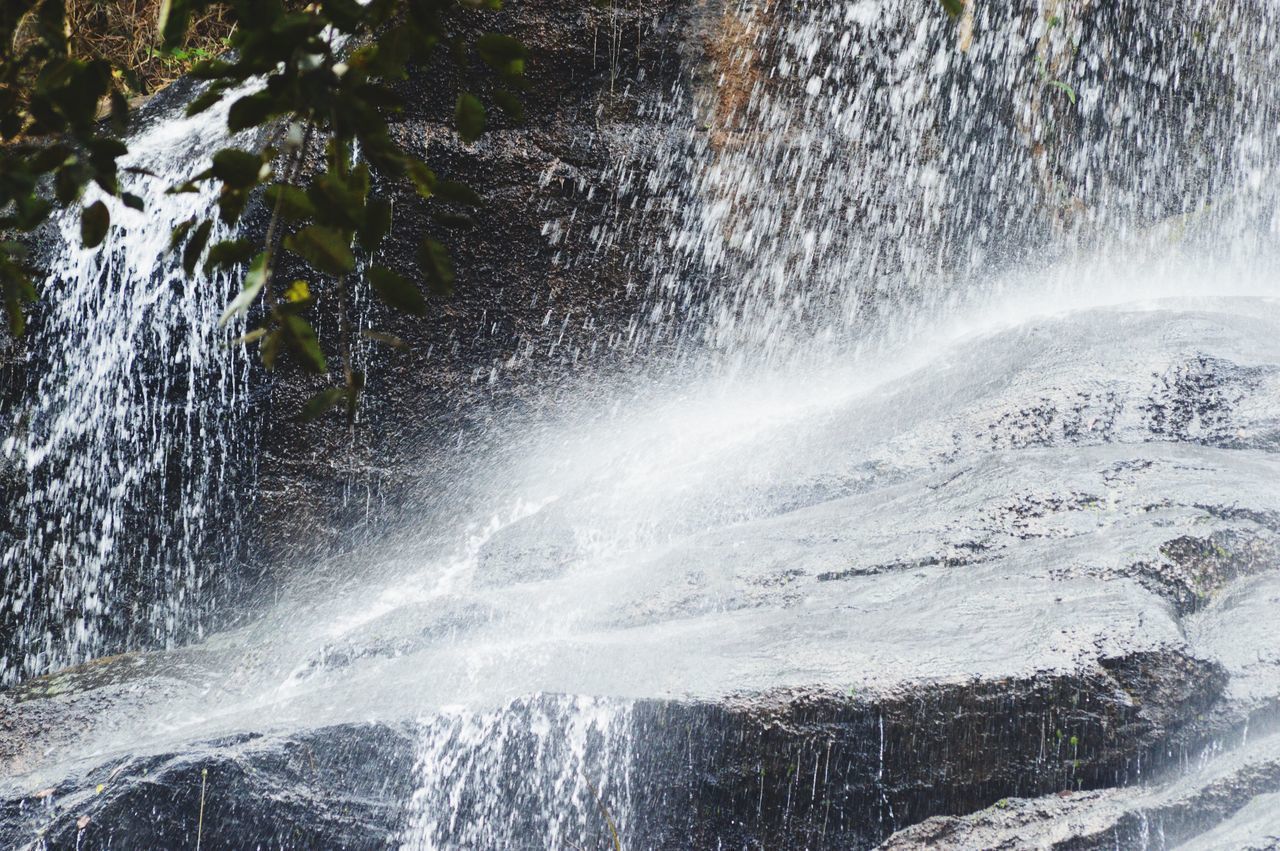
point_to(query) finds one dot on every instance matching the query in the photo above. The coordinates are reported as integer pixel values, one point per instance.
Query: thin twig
(273, 238)
(204, 780)
(613, 828)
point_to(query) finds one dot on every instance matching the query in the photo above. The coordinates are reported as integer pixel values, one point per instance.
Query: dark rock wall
(525, 310)
(791, 769)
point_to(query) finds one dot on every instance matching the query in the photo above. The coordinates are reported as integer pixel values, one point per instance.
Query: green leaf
(17, 319)
(18, 289)
(104, 149)
(377, 223)
(422, 177)
(346, 15)
(119, 111)
(195, 246)
(49, 158)
(953, 7)
(292, 202)
(270, 348)
(180, 232)
(436, 265)
(133, 202)
(231, 203)
(396, 291)
(354, 388)
(50, 24)
(338, 202)
(251, 337)
(502, 53)
(68, 182)
(32, 210)
(236, 168)
(229, 252)
(175, 16)
(320, 403)
(253, 283)
(459, 193)
(94, 221)
(1065, 89)
(203, 102)
(250, 111)
(298, 292)
(510, 104)
(301, 337)
(469, 117)
(325, 248)
(16, 253)
(213, 69)
(108, 182)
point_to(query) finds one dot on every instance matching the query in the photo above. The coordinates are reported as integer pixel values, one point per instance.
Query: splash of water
(862, 193)
(552, 767)
(133, 428)
(854, 166)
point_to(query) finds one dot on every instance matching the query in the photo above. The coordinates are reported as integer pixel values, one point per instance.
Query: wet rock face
(819, 771)
(913, 634)
(1226, 803)
(538, 285)
(791, 769)
(330, 788)
(795, 769)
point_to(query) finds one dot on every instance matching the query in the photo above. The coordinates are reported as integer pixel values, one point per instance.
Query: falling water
(862, 186)
(130, 431)
(552, 767)
(875, 245)
(857, 166)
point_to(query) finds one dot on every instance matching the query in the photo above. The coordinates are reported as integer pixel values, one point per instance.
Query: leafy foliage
(328, 73)
(314, 86)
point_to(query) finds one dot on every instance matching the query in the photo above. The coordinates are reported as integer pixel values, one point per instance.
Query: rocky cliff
(1013, 586)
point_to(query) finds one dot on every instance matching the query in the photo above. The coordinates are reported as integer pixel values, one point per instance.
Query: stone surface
(924, 603)
(1223, 800)
(536, 287)
(1013, 585)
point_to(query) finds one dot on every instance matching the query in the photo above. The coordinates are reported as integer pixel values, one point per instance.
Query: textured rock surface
(340, 787)
(1226, 800)
(1015, 587)
(537, 284)
(946, 594)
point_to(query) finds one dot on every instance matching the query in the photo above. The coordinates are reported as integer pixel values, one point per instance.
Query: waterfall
(949, 418)
(852, 168)
(851, 190)
(551, 767)
(133, 431)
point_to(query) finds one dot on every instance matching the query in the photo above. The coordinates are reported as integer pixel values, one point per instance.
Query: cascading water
(957, 407)
(523, 770)
(861, 158)
(130, 433)
(863, 187)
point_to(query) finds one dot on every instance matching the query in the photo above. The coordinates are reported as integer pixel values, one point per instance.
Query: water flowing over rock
(125, 431)
(859, 428)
